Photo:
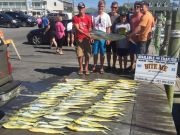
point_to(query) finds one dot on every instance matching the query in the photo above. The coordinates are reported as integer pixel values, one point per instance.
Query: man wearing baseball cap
(134, 22)
(143, 30)
(83, 26)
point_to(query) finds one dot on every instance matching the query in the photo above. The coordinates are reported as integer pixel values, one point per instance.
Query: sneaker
(113, 69)
(132, 71)
(120, 70)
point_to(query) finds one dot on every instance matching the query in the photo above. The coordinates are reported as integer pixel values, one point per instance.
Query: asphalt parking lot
(38, 62)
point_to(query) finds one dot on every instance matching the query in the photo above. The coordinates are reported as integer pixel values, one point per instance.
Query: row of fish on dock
(76, 105)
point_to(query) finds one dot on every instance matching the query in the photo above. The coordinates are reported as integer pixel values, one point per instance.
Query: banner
(156, 69)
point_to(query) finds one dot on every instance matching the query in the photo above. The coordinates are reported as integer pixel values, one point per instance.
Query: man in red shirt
(134, 22)
(83, 25)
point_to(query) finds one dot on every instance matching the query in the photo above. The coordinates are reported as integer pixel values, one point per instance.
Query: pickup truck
(8, 87)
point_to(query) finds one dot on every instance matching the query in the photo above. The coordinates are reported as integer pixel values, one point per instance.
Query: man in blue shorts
(102, 22)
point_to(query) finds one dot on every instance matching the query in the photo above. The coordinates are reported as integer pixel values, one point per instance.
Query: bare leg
(109, 59)
(125, 62)
(68, 39)
(132, 60)
(80, 60)
(87, 64)
(95, 62)
(120, 62)
(114, 59)
(54, 42)
(102, 62)
(72, 40)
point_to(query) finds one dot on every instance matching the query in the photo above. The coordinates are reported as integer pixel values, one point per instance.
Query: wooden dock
(149, 114)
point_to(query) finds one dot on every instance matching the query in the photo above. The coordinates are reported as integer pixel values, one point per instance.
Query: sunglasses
(114, 7)
(137, 6)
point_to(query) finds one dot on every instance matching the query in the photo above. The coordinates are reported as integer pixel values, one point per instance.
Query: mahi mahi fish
(90, 124)
(75, 127)
(46, 130)
(91, 118)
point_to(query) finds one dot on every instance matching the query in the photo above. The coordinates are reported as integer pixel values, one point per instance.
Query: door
(4, 73)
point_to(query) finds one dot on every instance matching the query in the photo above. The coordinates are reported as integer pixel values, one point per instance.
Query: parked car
(8, 87)
(25, 19)
(37, 36)
(7, 21)
(63, 15)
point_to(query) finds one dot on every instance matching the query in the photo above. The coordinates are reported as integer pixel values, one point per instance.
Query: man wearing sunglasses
(83, 26)
(143, 30)
(102, 22)
(134, 22)
(112, 47)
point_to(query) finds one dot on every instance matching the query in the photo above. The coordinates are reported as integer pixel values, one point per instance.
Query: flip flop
(94, 70)
(80, 72)
(101, 71)
(87, 73)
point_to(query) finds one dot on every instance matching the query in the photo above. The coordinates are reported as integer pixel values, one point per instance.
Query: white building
(24, 5)
(53, 5)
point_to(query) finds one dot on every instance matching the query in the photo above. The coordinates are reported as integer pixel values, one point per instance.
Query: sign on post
(156, 69)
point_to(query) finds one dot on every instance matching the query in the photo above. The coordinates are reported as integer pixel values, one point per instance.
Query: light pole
(173, 49)
(73, 7)
(44, 4)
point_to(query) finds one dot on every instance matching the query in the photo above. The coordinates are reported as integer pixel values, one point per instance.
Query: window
(37, 4)
(164, 4)
(54, 3)
(157, 5)
(5, 4)
(150, 4)
(18, 4)
(23, 3)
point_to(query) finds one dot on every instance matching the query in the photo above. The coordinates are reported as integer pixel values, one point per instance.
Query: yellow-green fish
(46, 130)
(75, 127)
(14, 125)
(90, 124)
(14, 118)
(93, 118)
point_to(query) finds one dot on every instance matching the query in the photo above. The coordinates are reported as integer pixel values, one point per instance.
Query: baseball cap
(137, 3)
(81, 5)
(123, 14)
(144, 3)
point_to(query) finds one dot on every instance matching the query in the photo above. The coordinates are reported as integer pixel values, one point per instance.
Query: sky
(93, 3)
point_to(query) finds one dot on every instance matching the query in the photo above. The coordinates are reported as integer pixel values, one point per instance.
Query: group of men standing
(138, 35)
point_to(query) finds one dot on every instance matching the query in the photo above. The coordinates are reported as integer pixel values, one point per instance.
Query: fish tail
(121, 114)
(107, 128)
(63, 133)
(104, 132)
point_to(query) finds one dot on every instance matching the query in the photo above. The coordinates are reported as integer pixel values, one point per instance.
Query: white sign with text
(156, 69)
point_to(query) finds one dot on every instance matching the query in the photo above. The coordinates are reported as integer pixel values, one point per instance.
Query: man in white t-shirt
(102, 22)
